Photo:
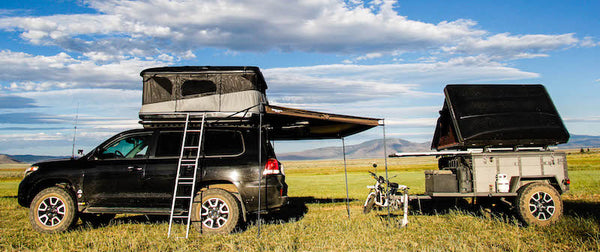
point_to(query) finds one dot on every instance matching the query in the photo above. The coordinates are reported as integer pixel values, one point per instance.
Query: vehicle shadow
(291, 212)
(580, 208)
(482, 209)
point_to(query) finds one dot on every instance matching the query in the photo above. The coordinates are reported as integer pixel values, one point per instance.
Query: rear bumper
(273, 194)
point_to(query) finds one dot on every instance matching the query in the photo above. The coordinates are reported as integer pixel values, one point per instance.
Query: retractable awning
(298, 124)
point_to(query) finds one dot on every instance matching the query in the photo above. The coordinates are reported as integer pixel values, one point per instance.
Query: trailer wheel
(539, 204)
(215, 211)
(53, 210)
(369, 204)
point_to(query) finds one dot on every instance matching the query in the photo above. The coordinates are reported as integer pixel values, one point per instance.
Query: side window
(216, 143)
(198, 87)
(169, 144)
(223, 143)
(134, 146)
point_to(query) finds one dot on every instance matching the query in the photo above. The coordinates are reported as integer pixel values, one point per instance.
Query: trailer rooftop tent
(477, 116)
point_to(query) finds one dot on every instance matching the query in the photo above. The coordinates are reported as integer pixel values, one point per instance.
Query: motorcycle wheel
(369, 205)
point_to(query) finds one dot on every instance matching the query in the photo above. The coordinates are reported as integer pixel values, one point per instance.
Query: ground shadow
(580, 208)
(484, 209)
(291, 212)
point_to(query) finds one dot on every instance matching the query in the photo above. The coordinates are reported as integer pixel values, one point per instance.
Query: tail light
(567, 181)
(273, 167)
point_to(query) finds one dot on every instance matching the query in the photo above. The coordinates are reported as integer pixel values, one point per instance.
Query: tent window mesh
(198, 87)
(157, 89)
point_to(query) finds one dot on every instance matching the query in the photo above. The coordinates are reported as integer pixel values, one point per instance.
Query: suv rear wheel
(539, 204)
(52, 210)
(215, 211)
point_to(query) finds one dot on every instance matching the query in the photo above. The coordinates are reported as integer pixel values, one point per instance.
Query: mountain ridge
(374, 148)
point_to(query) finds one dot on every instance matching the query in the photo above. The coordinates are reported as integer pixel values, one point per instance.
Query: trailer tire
(539, 204)
(215, 211)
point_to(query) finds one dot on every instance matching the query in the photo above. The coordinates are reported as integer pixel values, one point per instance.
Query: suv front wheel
(215, 211)
(52, 210)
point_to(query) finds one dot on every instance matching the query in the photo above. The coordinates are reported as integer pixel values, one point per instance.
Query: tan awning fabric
(298, 124)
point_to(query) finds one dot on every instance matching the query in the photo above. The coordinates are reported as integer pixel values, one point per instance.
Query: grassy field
(319, 220)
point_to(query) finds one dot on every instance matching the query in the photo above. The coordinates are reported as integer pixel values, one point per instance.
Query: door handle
(134, 168)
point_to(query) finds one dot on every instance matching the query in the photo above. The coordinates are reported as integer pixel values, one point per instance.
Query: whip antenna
(75, 131)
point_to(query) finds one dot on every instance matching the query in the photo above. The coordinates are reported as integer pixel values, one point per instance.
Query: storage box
(440, 181)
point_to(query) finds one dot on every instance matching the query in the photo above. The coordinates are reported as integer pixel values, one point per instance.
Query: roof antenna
(75, 131)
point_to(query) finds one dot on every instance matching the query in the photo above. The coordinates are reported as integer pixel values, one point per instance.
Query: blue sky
(386, 59)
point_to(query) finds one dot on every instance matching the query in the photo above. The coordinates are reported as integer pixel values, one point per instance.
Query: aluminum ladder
(181, 180)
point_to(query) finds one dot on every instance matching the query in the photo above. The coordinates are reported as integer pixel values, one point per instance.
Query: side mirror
(80, 152)
(374, 165)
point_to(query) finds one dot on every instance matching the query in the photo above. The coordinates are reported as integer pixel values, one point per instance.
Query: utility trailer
(493, 145)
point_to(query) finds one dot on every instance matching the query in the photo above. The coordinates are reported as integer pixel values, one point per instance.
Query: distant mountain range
(368, 149)
(26, 159)
(374, 148)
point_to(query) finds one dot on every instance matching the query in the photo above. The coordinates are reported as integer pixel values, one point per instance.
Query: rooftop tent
(498, 116)
(297, 124)
(207, 88)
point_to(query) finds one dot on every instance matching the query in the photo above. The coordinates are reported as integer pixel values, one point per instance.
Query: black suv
(134, 172)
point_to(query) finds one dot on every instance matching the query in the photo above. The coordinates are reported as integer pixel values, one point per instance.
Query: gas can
(502, 183)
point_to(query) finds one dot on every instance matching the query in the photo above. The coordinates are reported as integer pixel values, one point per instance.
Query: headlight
(30, 170)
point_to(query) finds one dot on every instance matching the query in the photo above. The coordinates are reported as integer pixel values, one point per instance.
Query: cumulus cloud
(139, 28)
(23, 71)
(346, 83)
(509, 46)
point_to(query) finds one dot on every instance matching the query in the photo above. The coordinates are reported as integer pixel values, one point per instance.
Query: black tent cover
(498, 116)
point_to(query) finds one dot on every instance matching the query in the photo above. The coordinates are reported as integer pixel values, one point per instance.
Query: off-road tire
(53, 210)
(369, 206)
(96, 219)
(538, 204)
(215, 211)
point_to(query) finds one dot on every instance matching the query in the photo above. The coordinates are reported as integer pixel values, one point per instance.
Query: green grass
(324, 224)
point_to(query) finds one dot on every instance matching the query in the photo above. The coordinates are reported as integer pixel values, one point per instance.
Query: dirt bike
(396, 196)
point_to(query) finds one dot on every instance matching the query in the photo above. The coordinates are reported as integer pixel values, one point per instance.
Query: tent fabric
(231, 102)
(216, 89)
(297, 124)
(498, 116)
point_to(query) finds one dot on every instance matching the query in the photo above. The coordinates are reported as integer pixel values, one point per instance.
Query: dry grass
(318, 220)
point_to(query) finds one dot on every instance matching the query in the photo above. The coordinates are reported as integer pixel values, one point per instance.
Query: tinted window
(216, 143)
(127, 147)
(198, 87)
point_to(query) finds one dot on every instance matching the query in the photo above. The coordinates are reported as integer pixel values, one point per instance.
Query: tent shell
(201, 89)
(482, 116)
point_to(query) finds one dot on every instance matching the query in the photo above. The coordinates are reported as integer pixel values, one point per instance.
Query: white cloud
(589, 42)
(369, 56)
(138, 28)
(346, 83)
(33, 137)
(592, 119)
(28, 72)
(412, 122)
(506, 46)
